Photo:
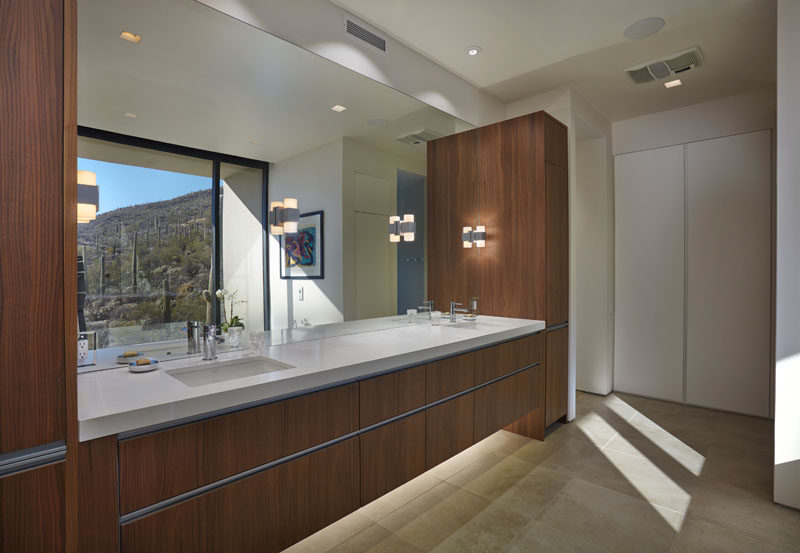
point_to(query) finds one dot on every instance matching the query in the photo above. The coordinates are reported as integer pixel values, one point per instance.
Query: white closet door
(649, 291)
(729, 273)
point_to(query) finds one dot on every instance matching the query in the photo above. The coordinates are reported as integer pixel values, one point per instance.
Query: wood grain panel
(264, 513)
(555, 136)
(389, 395)
(32, 511)
(501, 403)
(98, 501)
(512, 265)
(556, 375)
(453, 273)
(213, 449)
(532, 424)
(557, 244)
(392, 455)
(32, 369)
(496, 361)
(449, 376)
(448, 429)
(70, 303)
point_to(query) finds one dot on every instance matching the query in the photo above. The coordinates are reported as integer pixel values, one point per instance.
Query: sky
(126, 185)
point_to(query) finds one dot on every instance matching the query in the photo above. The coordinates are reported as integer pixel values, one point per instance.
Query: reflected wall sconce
(284, 216)
(88, 196)
(477, 237)
(405, 228)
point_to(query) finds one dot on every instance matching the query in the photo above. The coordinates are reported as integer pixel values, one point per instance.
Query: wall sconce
(284, 216)
(88, 196)
(405, 228)
(477, 236)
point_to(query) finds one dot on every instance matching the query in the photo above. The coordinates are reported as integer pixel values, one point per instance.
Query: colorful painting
(300, 248)
(302, 252)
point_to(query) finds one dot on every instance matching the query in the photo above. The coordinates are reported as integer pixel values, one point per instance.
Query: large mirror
(192, 124)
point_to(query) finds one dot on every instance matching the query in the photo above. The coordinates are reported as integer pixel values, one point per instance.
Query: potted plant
(233, 326)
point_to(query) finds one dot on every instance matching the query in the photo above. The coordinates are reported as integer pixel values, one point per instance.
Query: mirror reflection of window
(148, 252)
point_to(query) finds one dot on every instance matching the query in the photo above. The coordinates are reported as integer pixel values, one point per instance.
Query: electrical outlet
(83, 349)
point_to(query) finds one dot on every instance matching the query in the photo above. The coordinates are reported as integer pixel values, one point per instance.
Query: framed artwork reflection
(302, 254)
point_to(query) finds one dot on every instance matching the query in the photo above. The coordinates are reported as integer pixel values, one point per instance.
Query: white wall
(315, 179)
(752, 111)
(594, 271)
(787, 346)
(242, 254)
(317, 26)
(362, 163)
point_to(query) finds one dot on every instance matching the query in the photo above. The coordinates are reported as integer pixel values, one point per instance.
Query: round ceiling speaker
(644, 28)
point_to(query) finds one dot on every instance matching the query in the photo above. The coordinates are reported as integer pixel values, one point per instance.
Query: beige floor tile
(503, 442)
(659, 444)
(735, 509)
(641, 478)
(698, 536)
(539, 538)
(572, 457)
(398, 497)
(750, 470)
(596, 427)
(696, 432)
(460, 461)
(530, 495)
(434, 516)
(492, 481)
(492, 530)
(332, 535)
(375, 539)
(743, 433)
(609, 519)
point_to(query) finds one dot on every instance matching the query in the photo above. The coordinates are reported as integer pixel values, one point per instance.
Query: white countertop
(116, 400)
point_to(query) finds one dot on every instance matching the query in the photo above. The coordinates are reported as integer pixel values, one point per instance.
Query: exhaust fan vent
(665, 67)
(357, 30)
(419, 137)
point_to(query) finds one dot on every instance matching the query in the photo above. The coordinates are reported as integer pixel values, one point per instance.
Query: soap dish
(134, 368)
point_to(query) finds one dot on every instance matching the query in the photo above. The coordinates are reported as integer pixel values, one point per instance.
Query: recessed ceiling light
(644, 28)
(670, 84)
(377, 122)
(130, 115)
(255, 141)
(474, 50)
(130, 37)
(338, 109)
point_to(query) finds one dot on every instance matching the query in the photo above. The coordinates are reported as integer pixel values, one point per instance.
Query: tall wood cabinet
(38, 111)
(512, 178)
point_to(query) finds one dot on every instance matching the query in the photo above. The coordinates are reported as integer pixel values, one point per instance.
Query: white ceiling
(531, 46)
(200, 78)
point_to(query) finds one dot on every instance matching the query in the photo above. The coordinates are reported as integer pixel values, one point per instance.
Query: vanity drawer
(157, 466)
(449, 376)
(496, 361)
(389, 395)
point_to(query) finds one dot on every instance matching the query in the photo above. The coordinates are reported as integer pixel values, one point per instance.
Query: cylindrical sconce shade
(479, 236)
(466, 237)
(88, 197)
(284, 216)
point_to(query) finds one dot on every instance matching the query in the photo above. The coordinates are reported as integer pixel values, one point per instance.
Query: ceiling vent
(358, 30)
(419, 137)
(667, 66)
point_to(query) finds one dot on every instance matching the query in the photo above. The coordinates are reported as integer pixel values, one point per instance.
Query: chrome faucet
(454, 310)
(193, 329)
(427, 306)
(209, 342)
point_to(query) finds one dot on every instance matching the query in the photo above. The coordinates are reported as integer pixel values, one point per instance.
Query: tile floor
(628, 475)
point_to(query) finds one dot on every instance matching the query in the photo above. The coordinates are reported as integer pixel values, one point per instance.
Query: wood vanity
(265, 477)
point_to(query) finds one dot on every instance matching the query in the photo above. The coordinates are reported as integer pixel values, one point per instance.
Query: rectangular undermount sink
(222, 371)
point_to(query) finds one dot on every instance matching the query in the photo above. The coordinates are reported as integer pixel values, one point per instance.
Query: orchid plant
(233, 301)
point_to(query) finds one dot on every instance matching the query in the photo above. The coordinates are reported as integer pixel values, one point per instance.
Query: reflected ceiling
(202, 79)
